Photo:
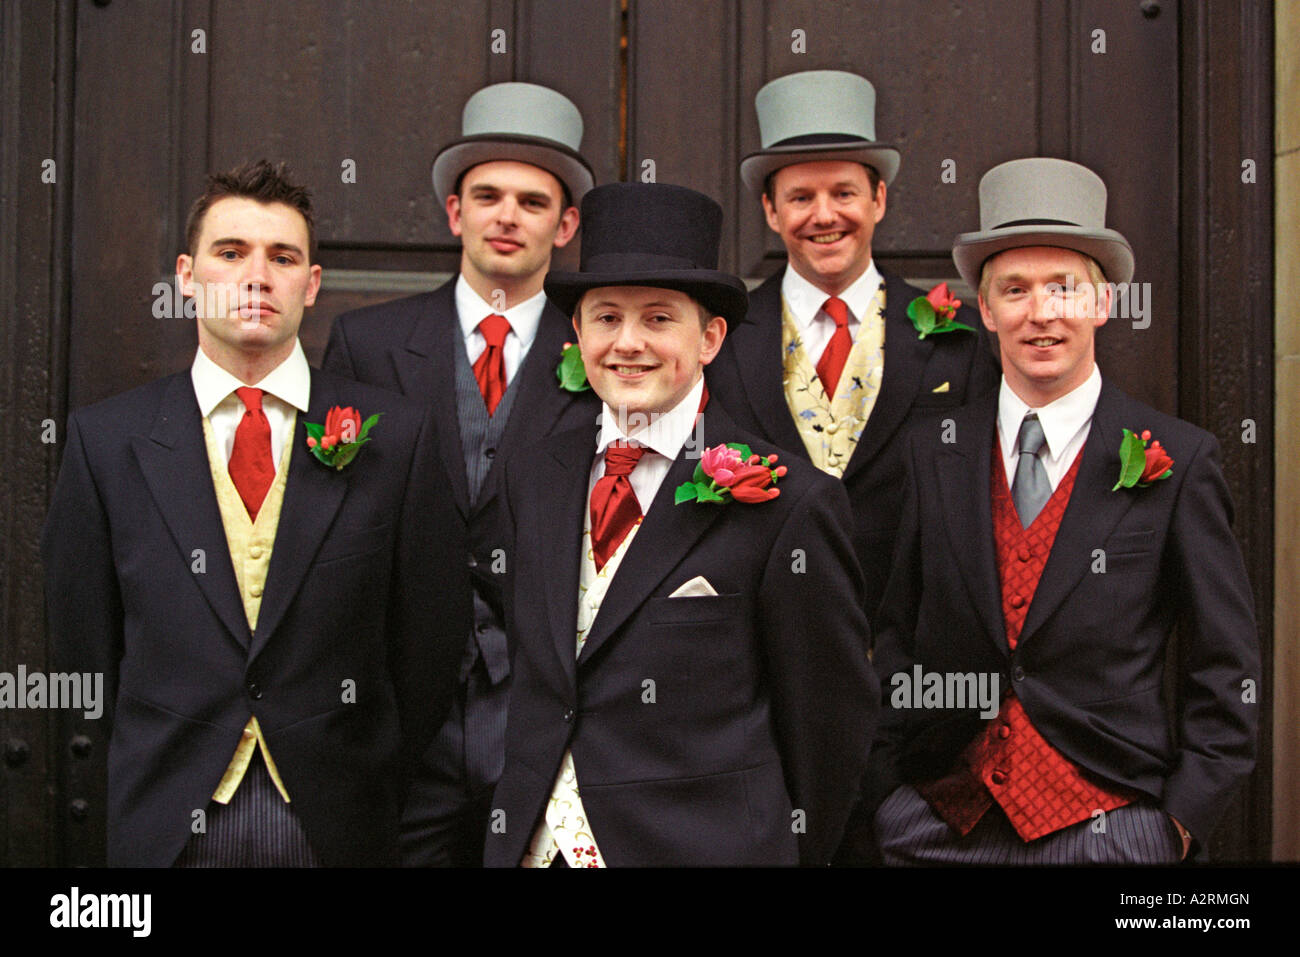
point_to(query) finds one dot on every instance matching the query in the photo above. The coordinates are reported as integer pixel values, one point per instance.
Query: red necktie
(490, 368)
(251, 467)
(614, 508)
(837, 350)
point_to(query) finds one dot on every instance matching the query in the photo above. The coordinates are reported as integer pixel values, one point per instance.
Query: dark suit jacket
(1089, 666)
(406, 345)
(365, 585)
(764, 702)
(746, 378)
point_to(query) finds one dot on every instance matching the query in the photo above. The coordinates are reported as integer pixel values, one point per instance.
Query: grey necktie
(1030, 490)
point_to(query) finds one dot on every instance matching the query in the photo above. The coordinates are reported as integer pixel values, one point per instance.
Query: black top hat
(651, 234)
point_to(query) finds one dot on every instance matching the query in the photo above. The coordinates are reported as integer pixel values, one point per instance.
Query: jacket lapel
(756, 350)
(905, 360)
(962, 475)
(174, 460)
(665, 537)
(541, 403)
(427, 373)
(1093, 512)
(313, 494)
(561, 496)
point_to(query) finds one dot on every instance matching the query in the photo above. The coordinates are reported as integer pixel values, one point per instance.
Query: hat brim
(723, 293)
(757, 167)
(565, 164)
(1109, 248)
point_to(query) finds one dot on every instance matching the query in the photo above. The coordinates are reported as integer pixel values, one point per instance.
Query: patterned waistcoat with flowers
(1039, 789)
(831, 426)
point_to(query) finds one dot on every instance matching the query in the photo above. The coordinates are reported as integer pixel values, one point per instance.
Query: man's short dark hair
(258, 181)
(873, 177)
(564, 187)
(705, 313)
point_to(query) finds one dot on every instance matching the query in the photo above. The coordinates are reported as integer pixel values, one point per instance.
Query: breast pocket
(350, 543)
(1130, 544)
(695, 609)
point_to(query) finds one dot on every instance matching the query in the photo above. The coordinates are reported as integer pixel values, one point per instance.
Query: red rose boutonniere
(337, 442)
(1141, 464)
(935, 312)
(732, 470)
(570, 371)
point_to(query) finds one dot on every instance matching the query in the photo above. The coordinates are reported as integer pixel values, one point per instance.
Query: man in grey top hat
(1047, 552)
(828, 364)
(483, 351)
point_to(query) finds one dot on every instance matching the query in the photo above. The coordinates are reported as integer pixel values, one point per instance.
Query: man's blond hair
(1095, 275)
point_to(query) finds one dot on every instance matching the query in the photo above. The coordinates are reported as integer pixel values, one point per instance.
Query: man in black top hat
(483, 351)
(691, 684)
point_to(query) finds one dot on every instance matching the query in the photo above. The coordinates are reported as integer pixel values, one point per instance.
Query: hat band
(818, 139)
(1036, 222)
(635, 262)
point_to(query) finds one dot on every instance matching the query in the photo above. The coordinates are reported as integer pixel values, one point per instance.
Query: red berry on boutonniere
(571, 372)
(732, 471)
(337, 442)
(1142, 461)
(935, 312)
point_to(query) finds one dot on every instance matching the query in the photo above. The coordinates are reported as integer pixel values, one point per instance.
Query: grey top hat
(1043, 202)
(817, 115)
(517, 121)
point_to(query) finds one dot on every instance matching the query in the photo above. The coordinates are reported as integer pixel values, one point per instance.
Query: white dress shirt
(287, 387)
(805, 301)
(524, 318)
(1066, 423)
(663, 438)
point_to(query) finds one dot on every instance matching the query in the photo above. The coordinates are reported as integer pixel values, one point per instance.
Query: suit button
(1018, 673)
(1004, 731)
(490, 453)
(472, 562)
(1023, 555)
(482, 627)
(999, 777)
(254, 690)
(568, 715)
(248, 734)
(1017, 602)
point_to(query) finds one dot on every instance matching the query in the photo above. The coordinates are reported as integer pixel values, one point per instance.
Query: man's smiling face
(825, 213)
(644, 347)
(1045, 308)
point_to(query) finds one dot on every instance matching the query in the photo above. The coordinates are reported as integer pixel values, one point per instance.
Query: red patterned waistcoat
(1039, 789)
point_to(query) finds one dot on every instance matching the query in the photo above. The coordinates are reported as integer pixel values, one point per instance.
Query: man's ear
(987, 316)
(770, 212)
(185, 273)
(714, 333)
(568, 227)
(880, 200)
(313, 287)
(453, 214)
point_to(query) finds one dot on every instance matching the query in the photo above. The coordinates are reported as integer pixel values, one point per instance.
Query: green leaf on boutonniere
(922, 315)
(1132, 460)
(744, 450)
(699, 475)
(685, 493)
(365, 426)
(571, 372)
(705, 493)
(315, 430)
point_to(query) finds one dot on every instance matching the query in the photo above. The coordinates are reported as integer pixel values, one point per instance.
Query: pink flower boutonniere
(935, 312)
(337, 442)
(571, 372)
(732, 470)
(1141, 464)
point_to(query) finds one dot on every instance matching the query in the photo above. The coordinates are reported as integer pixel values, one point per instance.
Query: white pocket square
(697, 587)
(941, 388)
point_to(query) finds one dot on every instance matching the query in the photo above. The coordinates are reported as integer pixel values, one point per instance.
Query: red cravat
(490, 369)
(614, 508)
(251, 467)
(837, 350)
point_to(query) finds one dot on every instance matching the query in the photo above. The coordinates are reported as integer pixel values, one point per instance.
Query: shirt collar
(524, 317)
(1061, 419)
(665, 434)
(290, 381)
(804, 299)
